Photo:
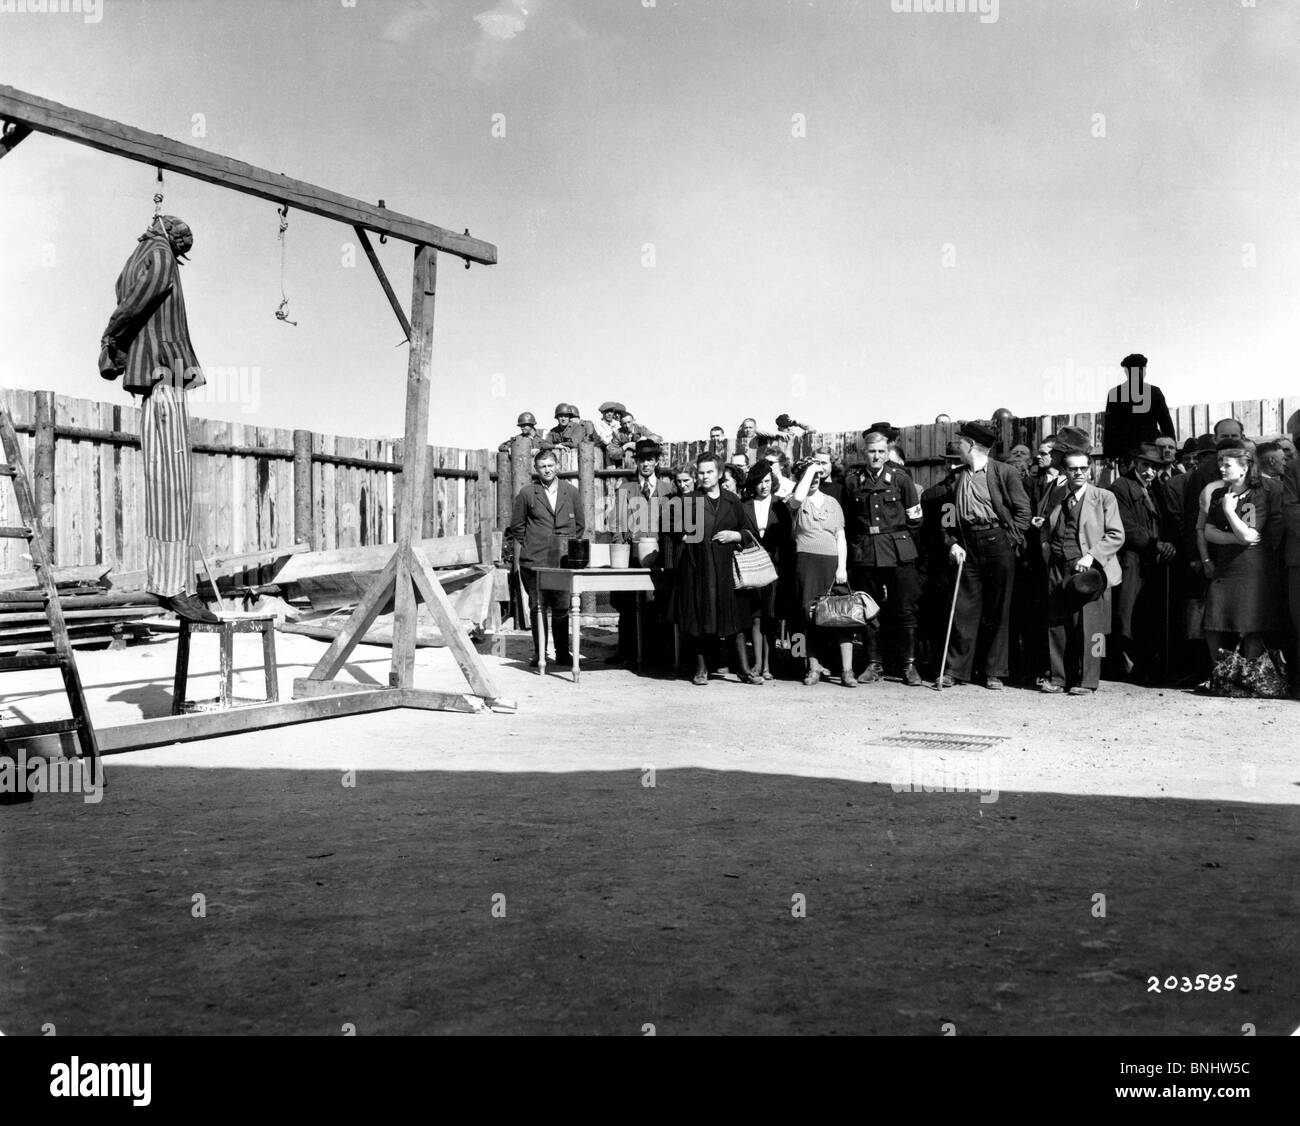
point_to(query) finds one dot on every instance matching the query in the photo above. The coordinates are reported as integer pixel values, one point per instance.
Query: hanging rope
(282, 313)
(158, 198)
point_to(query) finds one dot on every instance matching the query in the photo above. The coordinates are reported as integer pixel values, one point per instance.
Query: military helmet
(566, 408)
(526, 419)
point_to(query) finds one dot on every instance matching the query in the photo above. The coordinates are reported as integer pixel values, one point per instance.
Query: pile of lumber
(94, 613)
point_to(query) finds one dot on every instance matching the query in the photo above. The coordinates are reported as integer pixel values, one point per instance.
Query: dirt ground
(638, 851)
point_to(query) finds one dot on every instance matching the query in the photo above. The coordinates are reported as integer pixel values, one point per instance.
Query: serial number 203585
(1203, 981)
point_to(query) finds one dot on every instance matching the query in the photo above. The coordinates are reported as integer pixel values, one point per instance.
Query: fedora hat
(1072, 440)
(980, 432)
(1084, 586)
(647, 447)
(1148, 451)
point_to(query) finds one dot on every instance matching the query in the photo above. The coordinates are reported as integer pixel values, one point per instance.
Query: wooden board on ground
(333, 592)
(450, 551)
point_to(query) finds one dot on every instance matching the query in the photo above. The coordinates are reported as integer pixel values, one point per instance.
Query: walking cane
(952, 614)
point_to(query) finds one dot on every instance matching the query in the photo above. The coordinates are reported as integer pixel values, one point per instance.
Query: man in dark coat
(882, 514)
(1190, 663)
(1136, 411)
(147, 342)
(990, 514)
(640, 519)
(937, 573)
(1140, 626)
(546, 514)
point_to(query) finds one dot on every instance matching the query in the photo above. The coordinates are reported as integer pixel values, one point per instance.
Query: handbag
(1246, 678)
(752, 568)
(852, 609)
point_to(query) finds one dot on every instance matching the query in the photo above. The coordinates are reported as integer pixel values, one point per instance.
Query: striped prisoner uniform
(148, 339)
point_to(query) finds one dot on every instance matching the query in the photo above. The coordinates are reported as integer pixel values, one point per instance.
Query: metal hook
(383, 238)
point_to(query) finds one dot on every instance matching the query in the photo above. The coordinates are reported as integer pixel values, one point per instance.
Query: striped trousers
(165, 444)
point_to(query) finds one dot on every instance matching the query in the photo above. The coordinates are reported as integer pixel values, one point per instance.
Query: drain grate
(945, 740)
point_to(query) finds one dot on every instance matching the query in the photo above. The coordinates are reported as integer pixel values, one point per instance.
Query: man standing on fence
(147, 342)
(1136, 411)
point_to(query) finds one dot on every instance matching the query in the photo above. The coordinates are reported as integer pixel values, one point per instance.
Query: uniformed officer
(527, 429)
(569, 429)
(882, 513)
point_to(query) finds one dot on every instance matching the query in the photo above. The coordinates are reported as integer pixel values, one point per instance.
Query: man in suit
(1291, 519)
(983, 530)
(937, 575)
(1141, 625)
(545, 515)
(1081, 533)
(147, 342)
(640, 518)
(1136, 411)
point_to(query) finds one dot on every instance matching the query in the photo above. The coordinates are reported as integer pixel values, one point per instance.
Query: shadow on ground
(627, 905)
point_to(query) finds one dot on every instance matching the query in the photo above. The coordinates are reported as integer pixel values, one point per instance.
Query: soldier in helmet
(527, 429)
(882, 513)
(569, 429)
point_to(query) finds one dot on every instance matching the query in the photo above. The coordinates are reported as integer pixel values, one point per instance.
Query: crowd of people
(1050, 567)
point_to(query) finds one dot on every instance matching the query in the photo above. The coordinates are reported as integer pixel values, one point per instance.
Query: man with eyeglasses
(1081, 533)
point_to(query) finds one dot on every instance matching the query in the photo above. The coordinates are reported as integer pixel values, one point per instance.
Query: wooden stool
(227, 627)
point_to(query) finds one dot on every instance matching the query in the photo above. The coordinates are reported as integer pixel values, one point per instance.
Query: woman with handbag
(705, 604)
(771, 518)
(1239, 530)
(820, 562)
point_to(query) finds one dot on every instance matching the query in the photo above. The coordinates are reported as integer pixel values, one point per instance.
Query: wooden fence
(258, 487)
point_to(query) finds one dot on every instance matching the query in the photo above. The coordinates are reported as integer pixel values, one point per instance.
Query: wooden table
(592, 580)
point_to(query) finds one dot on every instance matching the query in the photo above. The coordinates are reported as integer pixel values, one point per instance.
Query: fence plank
(1291, 415)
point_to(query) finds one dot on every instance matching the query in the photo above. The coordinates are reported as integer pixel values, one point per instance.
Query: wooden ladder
(62, 658)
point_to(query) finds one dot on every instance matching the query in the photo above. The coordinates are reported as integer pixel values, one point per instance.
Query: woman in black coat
(706, 604)
(771, 519)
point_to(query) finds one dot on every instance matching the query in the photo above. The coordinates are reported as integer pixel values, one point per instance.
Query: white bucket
(619, 554)
(599, 555)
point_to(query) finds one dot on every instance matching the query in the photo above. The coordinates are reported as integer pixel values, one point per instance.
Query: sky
(706, 209)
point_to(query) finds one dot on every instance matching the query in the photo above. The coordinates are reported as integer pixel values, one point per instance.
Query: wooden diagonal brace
(383, 280)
